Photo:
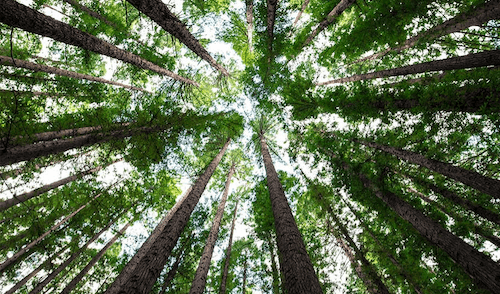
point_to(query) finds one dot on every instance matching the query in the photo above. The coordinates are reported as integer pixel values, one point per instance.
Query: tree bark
(490, 10)
(274, 268)
(159, 13)
(4, 60)
(244, 285)
(329, 19)
(475, 263)
(472, 60)
(200, 277)
(249, 18)
(4, 205)
(71, 285)
(23, 17)
(228, 253)
(272, 5)
(297, 267)
(470, 178)
(148, 268)
(171, 273)
(304, 6)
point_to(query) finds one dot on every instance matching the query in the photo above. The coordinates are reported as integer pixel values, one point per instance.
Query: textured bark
(91, 13)
(272, 5)
(44, 265)
(71, 285)
(490, 10)
(200, 277)
(39, 287)
(470, 178)
(304, 6)
(4, 60)
(159, 13)
(23, 17)
(249, 17)
(476, 264)
(297, 267)
(228, 253)
(329, 19)
(148, 269)
(16, 256)
(472, 60)
(28, 195)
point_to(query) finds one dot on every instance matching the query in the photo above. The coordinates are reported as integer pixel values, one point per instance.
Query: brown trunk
(12, 259)
(159, 13)
(476, 264)
(249, 17)
(44, 265)
(200, 278)
(23, 17)
(130, 266)
(271, 17)
(329, 19)
(149, 268)
(297, 267)
(228, 253)
(274, 268)
(470, 178)
(304, 6)
(472, 60)
(244, 276)
(71, 285)
(489, 11)
(4, 205)
(171, 273)
(4, 60)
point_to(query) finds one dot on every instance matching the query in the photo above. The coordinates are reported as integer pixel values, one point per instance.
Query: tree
(228, 253)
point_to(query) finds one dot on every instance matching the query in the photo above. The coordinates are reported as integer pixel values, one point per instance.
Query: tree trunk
(12, 259)
(329, 19)
(228, 253)
(297, 267)
(489, 11)
(71, 285)
(171, 273)
(4, 60)
(470, 178)
(130, 266)
(244, 285)
(4, 205)
(475, 263)
(200, 278)
(23, 17)
(159, 13)
(249, 17)
(36, 271)
(274, 268)
(304, 6)
(92, 13)
(148, 268)
(272, 5)
(472, 60)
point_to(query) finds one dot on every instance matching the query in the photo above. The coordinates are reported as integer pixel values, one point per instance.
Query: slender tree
(249, 19)
(171, 273)
(228, 253)
(302, 9)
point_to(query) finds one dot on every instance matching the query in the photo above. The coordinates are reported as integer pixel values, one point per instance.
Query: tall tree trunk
(249, 18)
(148, 268)
(304, 6)
(39, 287)
(329, 19)
(297, 267)
(44, 265)
(200, 277)
(171, 273)
(12, 259)
(130, 266)
(159, 13)
(4, 60)
(228, 253)
(472, 60)
(71, 285)
(272, 5)
(470, 178)
(490, 10)
(4, 205)
(475, 263)
(244, 284)
(274, 268)
(23, 17)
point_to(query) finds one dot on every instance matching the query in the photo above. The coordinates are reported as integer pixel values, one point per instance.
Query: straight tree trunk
(171, 273)
(130, 266)
(274, 268)
(228, 253)
(490, 10)
(300, 277)
(472, 60)
(470, 178)
(272, 5)
(4, 205)
(304, 6)
(44, 265)
(148, 269)
(200, 277)
(12, 259)
(71, 285)
(159, 13)
(4, 60)
(23, 17)
(476, 264)
(249, 17)
(329, 19)
(244, 285)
